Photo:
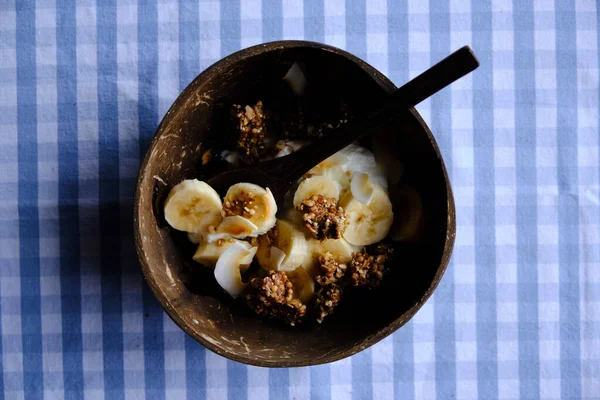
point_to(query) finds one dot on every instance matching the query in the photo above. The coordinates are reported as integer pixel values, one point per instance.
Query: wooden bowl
(188, 291)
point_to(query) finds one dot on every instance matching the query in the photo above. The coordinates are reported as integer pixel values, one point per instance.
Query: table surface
(83, 85)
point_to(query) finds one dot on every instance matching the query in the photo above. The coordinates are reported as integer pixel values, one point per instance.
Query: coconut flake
(234, 260)
(277, 257)
(361, 188)
(296, 79)
(232, 157)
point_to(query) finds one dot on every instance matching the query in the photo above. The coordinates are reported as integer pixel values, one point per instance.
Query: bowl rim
(397, 323)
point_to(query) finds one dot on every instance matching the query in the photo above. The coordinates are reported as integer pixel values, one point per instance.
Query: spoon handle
(442, 74)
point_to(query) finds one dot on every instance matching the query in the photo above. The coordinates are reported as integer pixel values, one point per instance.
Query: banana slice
(341, 249)
(193, 206)
(361, 188)
(333, 169)
(234, 226)
(303, 284)
(338, 160)
(293, 243)
(208, 253)
(311, 261)
(295, 218)
(230, 265)
(253, 203)
(316, 185)
(368, 224)
(339, 175)
(286, 239)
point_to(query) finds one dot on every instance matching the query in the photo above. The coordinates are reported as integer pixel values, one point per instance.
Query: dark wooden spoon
(281, 173)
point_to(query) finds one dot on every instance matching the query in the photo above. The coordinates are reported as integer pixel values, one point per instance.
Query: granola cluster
(330, 270)
(243, 204)
(250, 122)
(326, 299)
(273, 296)
(367, 266)
(323, 218)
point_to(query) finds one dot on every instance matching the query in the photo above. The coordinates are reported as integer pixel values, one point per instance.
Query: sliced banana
(230, 265)
(254, 203)
(311, 261)
(193, 206)
(287, 239)
(338, 160)
(353, 157)
(339, 175)
(341, 249)
(368, 224)
(361, 187)
(234, 226)
(316, 185)
(295, 218)
(303, 284)
(293, 243)
(208, 253)
(333, 168)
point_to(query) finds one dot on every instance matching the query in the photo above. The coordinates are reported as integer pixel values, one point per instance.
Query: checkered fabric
(84, 84)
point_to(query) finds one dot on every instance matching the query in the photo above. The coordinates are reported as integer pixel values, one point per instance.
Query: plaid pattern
(83, 85)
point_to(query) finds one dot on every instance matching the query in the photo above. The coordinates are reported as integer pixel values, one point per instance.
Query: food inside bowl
(295, 261)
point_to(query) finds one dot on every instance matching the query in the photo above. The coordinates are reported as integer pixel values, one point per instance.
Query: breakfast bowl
(191, 143)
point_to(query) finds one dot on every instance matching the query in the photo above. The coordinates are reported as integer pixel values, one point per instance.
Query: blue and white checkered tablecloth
(83, 85)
